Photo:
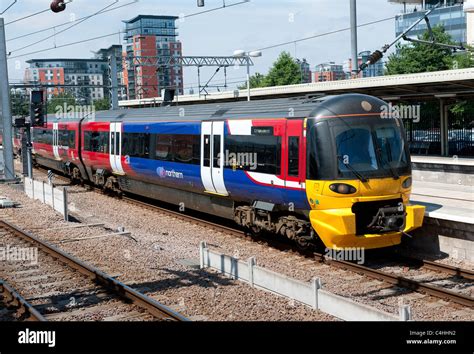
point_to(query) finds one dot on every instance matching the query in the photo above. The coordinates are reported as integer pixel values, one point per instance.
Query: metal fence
(424, 135)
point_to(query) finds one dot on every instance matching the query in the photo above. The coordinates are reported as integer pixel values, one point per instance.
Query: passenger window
(293, 156)
(207, 151)
(217, 151)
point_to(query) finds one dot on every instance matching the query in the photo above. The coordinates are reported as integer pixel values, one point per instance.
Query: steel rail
(370, 272)
(439, 267)
(401, 281)
(13, 298)
(153, 307)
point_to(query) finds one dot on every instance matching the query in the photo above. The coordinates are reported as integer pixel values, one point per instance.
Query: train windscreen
(357, 148)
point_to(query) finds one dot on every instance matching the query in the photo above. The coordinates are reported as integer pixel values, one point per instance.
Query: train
(314, 169)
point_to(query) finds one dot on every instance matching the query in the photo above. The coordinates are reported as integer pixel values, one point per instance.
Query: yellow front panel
(332, 218)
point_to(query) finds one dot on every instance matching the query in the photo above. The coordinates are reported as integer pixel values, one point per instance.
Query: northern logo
(163, 173)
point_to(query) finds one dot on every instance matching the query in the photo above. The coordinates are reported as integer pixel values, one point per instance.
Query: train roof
(297, 107)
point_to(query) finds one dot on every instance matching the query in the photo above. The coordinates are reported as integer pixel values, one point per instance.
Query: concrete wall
(451, 173)
(309, 294)
(48, 194)
(442, 238)
(464, 179)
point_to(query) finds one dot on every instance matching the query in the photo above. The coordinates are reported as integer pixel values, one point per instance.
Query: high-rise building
(469, 10)
(450, 14)
(329, 72)
(152, 36)
(105, 54)
(372, 70)
(78, 72)
(305, 71)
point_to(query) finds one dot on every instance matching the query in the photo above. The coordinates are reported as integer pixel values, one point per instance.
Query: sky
(249, 26)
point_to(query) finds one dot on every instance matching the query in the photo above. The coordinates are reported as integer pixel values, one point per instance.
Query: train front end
(359, 174)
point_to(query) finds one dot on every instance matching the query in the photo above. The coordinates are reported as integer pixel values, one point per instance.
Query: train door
(56, 141)
(212, 157)
(294, 158)
(115, 148)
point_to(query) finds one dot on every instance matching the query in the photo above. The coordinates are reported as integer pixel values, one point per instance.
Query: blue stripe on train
(179, 175)
(240, 187)
(172, 174)
(188, 128)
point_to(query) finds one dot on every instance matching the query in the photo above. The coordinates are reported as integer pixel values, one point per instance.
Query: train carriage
(57, 146)
(325, 168)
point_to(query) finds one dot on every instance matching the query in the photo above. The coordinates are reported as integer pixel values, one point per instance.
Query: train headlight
(407, 183)
(342, 188)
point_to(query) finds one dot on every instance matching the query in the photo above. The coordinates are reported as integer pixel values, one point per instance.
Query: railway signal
(37, 108)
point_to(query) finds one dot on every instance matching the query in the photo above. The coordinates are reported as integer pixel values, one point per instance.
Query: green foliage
(20, 104)
(257, 80)
(102, 105)
(59, 101)
(463, 60)
(417, 57)
(285, 71)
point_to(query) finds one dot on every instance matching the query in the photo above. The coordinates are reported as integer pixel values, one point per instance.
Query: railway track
(14, 307)
(59, 287)
(394, 279)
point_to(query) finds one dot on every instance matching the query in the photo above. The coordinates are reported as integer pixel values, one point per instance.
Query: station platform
(450, 170)
(445, 186)
(439, 160)
(445, 201)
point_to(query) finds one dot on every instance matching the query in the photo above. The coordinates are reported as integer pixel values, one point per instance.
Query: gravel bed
(151, 262)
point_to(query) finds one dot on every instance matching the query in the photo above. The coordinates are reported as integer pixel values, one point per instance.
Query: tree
(285, 71)
(463, 60)
(417, 57)
(257, 80)
(58, 102)
(20, 104)
(102, 105)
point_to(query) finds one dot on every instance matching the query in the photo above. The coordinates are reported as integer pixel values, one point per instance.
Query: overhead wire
(69, 22)
(324, 34)
(64, 30)
(34, 14)
(65, 45)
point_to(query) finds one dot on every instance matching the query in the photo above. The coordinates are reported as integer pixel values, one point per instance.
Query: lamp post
(354, 50)
(247, 55)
